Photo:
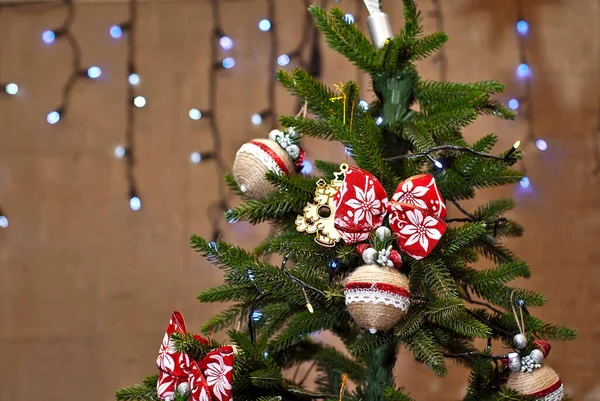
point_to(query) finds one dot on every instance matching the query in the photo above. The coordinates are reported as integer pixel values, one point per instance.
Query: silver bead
(520, 341)
(293, 151)
(369, 255)
(274, 134)
(537, 356)
(529, 370)
(382, 232)
(514, 362)
(183, 387)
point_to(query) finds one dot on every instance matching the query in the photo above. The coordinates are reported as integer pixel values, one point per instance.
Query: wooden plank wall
(87, 285)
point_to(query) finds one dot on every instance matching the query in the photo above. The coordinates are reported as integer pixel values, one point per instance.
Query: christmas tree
(367, 249)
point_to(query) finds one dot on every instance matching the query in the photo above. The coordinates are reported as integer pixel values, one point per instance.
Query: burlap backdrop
(87, 285)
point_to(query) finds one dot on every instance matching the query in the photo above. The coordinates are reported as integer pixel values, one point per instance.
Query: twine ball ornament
(377, 297)
(252, 162)
(540, 384)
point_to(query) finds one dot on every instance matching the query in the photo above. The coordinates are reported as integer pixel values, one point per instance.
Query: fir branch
(145, 391)
(455, 239)
(293, 184)
(446, 147)
(272, 206)
(306, 88)
(424, 47)
(367, 342)
(225, 318)
(393, 394)
(187, 344)
(426, 350)
(345, 38)
(411, 323)
(302, 323)
(330, 129)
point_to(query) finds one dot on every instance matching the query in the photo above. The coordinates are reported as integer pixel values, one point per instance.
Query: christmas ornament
(318, 216)
(541, 384)
(208, 379)
(520, 341)
(279, 154)
(533, 379)
(377, 294)
(417, 211)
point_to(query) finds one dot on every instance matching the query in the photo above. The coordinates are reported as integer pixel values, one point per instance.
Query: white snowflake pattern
(165, 359)
(203, 395)
(164, 387)
(421, 229)
(412, 195)
(216, 376)
(365, 203)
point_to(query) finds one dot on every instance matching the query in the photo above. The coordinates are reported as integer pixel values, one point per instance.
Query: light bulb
(232, 220)
(364, 104)
(119, 151)
(135, 203)
(523, 70)
(307, 167)
(11, 88)
(195, 114)
(3, 221)
(541, 144)
(438, 164)
(195, 157)
(264, 25)
(256, 119)
(53, 117)
(94, 72)
(226, 42)
(513, 104)
(250, 275)
(48, 37)
(522, 28)
(133, 79)
(139, 101)
(228, 62)
(116, 31)
(379, 120)
(524, 182)
(256, 315)
(349, 18)
(283, 60)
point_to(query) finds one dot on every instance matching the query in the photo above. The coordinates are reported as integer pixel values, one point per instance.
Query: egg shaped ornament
(280, 154)
(541, 384)
(377, 297)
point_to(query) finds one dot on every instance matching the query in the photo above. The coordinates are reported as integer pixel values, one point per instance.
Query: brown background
(87, 285)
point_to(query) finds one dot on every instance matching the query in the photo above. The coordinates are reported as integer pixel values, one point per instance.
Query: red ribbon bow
(207, 380)
(417, 211)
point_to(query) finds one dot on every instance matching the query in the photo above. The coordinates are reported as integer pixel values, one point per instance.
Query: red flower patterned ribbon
(207, 380)
(417, 211)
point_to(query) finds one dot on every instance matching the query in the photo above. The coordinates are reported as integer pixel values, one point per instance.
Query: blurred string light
(64, 32)
(524, 103)
(132, 102)
(276, 59)
(11, 88)
(3, 220)
(219, 42)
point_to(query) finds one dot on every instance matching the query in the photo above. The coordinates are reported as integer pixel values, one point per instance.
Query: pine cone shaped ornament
(279, 154)
(377, 297)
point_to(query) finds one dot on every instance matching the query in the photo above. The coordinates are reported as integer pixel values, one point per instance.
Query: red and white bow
(416, 210)
(208, 379)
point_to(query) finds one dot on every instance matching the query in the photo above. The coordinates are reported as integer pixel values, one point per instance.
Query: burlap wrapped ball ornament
(377, 297)
(252, 162)
(541, 384)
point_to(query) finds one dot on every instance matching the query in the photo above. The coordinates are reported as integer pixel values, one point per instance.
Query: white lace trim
(372, 296)
(261, 155)
(555, 396)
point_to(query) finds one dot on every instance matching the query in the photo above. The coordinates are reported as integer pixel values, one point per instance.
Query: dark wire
(221, 205)
(441, 58)
(76, 70)
(131, 25)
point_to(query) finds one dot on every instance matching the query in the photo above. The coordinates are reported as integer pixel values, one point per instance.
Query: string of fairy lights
(525, 100)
